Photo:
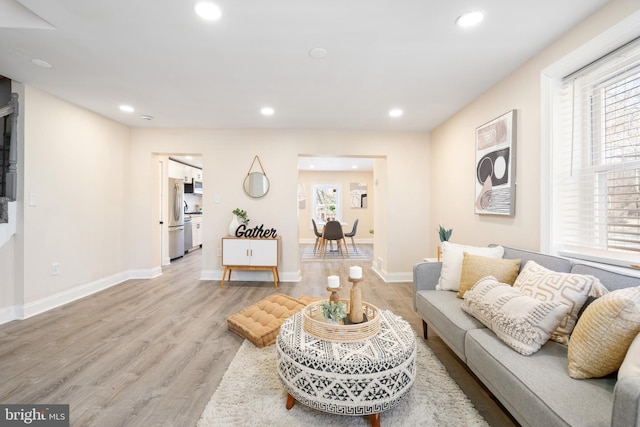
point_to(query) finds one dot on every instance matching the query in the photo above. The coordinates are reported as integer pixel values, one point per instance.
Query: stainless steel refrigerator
(176, 218)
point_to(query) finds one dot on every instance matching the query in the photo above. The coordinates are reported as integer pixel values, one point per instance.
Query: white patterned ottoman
(357, 378)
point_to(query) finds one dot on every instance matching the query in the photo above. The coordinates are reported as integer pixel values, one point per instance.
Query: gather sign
(257, 231)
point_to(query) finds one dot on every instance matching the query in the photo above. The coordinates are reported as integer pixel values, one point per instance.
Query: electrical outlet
(55, 269)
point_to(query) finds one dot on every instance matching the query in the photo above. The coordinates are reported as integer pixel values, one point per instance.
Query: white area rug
(250, 394)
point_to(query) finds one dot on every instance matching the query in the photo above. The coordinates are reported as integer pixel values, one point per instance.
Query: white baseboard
(8, 314)
(61, 298)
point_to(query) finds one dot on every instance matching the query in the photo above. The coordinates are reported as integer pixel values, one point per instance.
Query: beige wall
(349, 214)
(453, 144)
(227, 156)
(75, 180)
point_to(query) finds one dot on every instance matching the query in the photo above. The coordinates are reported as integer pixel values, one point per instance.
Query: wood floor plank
(152, 352)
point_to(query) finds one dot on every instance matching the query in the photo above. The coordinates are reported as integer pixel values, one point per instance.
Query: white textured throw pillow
(452, 256)
(631, 364)
(570, 289)
(522, 322)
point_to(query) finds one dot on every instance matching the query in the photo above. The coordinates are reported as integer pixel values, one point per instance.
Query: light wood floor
(152, 352)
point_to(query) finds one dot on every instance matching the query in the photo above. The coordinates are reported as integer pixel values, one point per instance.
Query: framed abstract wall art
(496, 166)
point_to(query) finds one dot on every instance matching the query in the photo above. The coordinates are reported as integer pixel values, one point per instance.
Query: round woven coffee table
(357, 378)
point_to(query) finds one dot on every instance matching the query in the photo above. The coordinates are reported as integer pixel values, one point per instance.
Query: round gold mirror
(256, 185)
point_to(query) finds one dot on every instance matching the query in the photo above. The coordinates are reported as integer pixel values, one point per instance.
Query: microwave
(197, 187)
(194, 187)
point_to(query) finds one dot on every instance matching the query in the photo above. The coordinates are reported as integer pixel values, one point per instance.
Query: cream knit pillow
(522, 322)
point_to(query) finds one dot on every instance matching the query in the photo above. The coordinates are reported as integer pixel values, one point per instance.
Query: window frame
(337, 187)
(551, 81)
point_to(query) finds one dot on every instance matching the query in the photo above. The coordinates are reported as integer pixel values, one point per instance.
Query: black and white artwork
(495, 166)
(358, 195)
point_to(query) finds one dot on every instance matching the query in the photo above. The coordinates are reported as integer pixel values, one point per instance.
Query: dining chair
(333, 231)
(318, 236)
(352, 233)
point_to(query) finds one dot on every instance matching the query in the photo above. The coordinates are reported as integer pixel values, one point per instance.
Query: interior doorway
(352, 178)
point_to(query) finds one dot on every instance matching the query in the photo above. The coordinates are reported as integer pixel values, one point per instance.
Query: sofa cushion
(604, 333)
(452, 255)
(547, 285)
(631, 364)
(442, 308)
(475, 267)
(537, 387)
(523, 322)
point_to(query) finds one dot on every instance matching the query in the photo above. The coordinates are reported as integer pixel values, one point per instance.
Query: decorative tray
(315, 324)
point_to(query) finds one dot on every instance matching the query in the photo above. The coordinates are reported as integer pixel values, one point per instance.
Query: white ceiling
(165, 61)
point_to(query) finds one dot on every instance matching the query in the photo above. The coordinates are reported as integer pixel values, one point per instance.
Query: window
(596, 161)
(326, 202)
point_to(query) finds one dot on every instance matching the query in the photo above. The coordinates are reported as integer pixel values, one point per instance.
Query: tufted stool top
(260, 322)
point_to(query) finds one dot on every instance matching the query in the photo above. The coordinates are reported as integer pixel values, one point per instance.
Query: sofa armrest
(425, 277)
(626, 403)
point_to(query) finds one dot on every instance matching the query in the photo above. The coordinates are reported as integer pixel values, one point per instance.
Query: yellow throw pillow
(475, 267)
(601, 338)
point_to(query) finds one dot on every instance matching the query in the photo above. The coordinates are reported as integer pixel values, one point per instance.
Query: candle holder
(334, 297)
(355, 302)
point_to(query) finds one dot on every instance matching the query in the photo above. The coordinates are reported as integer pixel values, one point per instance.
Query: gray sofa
(536, 389)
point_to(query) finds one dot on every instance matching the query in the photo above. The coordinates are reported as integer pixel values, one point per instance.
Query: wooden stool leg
(374, 419)
(291, 401)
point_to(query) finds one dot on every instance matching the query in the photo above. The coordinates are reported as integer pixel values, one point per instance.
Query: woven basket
(318, 326)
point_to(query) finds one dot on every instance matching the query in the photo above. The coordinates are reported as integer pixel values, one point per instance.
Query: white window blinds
(596, 160)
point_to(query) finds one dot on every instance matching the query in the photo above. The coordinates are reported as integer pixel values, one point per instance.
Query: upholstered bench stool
(260, 322)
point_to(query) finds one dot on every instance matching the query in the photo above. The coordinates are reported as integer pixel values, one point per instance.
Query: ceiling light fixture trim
(267, 111)
(208, 11)
(470, 19)
(318, 53)
(395, 112)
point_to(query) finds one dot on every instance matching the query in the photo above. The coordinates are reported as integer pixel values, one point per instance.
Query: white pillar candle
(333, 282)
(355, 272)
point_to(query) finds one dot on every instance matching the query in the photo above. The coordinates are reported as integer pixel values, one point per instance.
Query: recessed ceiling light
(312, 166)
(469, 19)
(318, 53)
(396, 112)
(41, 63)
(127, 108)
(354, 167)
(267, 111)
(146, 117)
(207, 10)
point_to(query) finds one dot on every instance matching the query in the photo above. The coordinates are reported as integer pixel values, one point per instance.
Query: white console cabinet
(250, 254)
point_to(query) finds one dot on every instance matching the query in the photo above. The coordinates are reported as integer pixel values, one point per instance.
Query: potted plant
(242, 215)
(444, 234)
(333, 312)
(239, 216)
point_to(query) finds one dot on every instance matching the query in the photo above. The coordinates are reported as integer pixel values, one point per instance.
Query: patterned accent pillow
(631, 364)
(548, 285)
(522, 322)
(452, 255)
(606, 329)
(475, 267)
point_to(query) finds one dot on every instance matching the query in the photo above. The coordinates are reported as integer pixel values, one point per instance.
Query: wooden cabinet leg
(291, 401)
(374, 419)
(424, 330)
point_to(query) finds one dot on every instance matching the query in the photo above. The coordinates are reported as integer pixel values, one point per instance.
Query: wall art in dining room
(358, 195)
(496, 166)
